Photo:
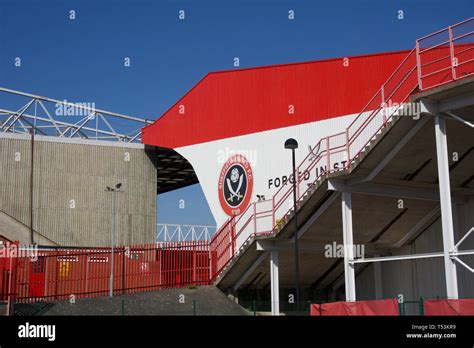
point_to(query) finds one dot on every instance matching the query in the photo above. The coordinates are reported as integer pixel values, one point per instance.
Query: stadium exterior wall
(71, 206)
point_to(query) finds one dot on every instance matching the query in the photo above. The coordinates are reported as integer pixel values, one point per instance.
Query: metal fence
(446, 55)
(183, 233)
(65, 273)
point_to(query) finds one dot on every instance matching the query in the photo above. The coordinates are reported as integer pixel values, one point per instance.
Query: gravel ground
(208, 300)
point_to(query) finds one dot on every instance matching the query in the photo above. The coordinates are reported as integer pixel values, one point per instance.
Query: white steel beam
(275, 295)
(452, 255)
(307, 246)
(390, 191)
(57, 123)
(445, 202)
(456, 102)
(76, 105)
(398, 257)
(463, 238)
(460, 119)
(464, 264)
(434, 107)
(347, 236)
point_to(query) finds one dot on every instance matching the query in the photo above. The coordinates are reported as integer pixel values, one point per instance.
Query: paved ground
(208, 300)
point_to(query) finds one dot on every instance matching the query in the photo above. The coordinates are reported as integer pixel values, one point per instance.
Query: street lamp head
(291, 144)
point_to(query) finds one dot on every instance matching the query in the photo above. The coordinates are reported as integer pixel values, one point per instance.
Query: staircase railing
(446, 55)
(338, 152)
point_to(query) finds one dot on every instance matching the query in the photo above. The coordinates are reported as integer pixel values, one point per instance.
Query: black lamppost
(112, 238)
(292, 144)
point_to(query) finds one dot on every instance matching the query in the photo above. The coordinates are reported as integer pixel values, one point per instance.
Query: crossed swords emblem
(235, 193)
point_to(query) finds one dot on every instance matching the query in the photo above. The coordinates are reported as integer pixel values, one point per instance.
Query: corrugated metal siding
(81, 172)
(426, 277)
(232, 103)
(465, 223)
(365, 284)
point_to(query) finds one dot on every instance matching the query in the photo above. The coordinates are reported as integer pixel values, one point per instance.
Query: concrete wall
(70, 205)
(424, 277)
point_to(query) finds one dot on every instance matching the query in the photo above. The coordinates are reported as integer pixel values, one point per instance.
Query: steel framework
(183, 233)
(22, 112)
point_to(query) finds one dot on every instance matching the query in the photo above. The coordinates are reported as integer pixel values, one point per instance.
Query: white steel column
(275, 294)
(445, 202)
(349, 274)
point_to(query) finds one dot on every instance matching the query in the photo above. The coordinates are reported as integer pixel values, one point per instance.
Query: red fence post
(328, 161)
(123, 270)
(418, 65)
(232, 232)
(451, 52)
(56, 275)
(384, 114)
(10, 286)
(297, 178)
(254, 220)
(273, 212)
(194, 250)
(348, 148)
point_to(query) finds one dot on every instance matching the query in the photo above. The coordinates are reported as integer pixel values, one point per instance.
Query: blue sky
(82, 59)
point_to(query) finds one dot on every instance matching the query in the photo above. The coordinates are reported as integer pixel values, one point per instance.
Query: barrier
(362, 308)
(60, 274)
(449, 307)
(446, 55)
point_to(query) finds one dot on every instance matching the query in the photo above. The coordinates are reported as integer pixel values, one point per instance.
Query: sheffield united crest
(235, 185)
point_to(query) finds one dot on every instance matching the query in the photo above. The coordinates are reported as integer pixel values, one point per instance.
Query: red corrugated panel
(237, 102)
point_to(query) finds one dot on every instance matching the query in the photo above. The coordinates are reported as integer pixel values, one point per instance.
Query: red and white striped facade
(251, 112)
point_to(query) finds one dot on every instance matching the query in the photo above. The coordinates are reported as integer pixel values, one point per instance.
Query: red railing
(60, 274)
(337, 153)
(446, 55)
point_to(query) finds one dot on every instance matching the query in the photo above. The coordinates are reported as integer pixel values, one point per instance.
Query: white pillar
(349, 274)
(445, 202)
(275, 295)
